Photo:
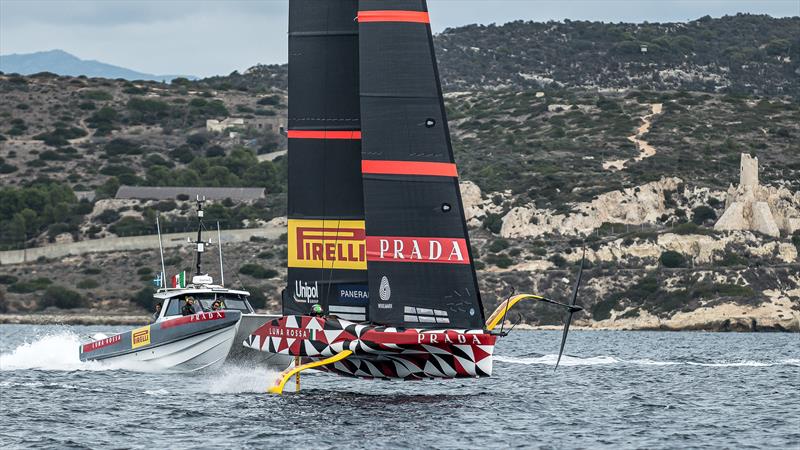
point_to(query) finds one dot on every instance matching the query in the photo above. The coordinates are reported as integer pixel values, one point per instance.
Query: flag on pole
(179, 280)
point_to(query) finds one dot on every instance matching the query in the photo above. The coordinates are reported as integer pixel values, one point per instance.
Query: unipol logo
(305, 293)
(331, 244)
(417, 249)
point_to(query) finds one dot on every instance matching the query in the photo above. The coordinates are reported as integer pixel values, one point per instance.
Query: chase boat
(186, 343)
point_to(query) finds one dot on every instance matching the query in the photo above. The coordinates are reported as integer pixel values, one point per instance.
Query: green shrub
(7, 279)
(493, 222)
(269, 100)
(119, 146)
(130, 226)
(502, 261)
(88, 283)
(732, 259)
(107, 216)
(602, 309)
(265, 255)
(257, 271)
(60, 297)
(672, 259)
(144, 271)
(60, 136)
(558, 261)
(92, 271)
(97, 94)
(498, 245)
(703, 213)
(257, 298)
(28, 286)
(144, 297)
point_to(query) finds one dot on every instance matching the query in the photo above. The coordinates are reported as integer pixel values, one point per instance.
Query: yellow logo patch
(140, 337)
(327, 244)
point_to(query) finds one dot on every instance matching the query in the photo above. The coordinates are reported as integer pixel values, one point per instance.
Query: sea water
(613, 390)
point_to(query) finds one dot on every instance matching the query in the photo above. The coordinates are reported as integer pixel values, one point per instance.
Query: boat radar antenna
(219, 246)
(163, 277)
(201, 245)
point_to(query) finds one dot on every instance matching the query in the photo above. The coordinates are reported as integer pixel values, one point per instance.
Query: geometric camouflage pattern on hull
(379, 352)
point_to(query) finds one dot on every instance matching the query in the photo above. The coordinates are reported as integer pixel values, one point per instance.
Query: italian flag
(179, 280)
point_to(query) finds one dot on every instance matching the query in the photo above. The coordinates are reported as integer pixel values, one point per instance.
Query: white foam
(550, 360)
(236, 380)
(57, 351)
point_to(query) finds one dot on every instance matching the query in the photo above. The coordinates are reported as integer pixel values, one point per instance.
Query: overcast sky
(210, 37)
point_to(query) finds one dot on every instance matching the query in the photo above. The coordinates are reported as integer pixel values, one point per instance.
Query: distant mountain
(63, 63)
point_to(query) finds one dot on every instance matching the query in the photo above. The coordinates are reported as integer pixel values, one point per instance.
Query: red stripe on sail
(409, 168)
(323, 134)
(394, 16)
(417, 249)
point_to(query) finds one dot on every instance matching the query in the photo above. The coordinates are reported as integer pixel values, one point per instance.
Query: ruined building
(765, 209)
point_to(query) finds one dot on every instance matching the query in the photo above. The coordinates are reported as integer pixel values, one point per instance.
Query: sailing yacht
(376, 229)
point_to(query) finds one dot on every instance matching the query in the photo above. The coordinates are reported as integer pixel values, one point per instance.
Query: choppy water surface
(617, 389)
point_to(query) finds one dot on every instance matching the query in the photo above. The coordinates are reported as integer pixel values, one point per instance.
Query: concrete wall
(117, 244)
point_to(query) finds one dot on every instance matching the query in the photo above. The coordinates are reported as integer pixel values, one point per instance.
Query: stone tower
(747, 206)
(748, 172)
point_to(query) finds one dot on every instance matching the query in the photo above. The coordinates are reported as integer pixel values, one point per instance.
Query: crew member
(188, 307)
(316, 310)
(158, 311)
(216, 306)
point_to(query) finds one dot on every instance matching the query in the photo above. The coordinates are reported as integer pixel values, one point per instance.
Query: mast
(420, 269)
(219, 244)
(326, 248)
(199, 242)
(161, 252)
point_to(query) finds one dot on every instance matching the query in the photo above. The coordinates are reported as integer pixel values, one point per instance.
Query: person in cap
(188, 307)
(316, 310)
(158, 311)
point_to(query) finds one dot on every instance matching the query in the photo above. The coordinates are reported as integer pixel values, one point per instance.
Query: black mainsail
(419, 259)
(375, 210)
(326, 251)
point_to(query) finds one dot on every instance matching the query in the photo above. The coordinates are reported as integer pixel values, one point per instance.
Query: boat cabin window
(176, 304)
(235, 301)
(173, 307)
(228, 301)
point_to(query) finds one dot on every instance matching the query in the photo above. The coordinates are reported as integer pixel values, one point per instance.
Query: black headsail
(418, 252)
(326, 254)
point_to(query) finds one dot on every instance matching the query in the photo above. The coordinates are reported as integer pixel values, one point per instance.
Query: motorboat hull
(184, 344)
(379, 352)
(246, 356)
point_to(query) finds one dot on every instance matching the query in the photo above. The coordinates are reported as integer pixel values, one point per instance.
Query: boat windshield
(229, 301)
(200, 300)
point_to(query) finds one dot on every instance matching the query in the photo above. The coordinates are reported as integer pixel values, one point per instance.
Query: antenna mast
(219, 244)
(201, 245)
(161, 250)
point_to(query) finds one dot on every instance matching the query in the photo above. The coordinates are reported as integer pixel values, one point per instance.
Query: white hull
(204, 351)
